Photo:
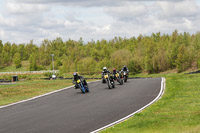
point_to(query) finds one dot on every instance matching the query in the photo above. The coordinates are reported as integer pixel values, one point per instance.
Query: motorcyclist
(117, 76)
(125, 69)
(114, 73)
(105, 71)
(76, 78)
(125, 72)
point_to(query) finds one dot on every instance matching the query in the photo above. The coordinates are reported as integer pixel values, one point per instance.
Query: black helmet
(75, 74)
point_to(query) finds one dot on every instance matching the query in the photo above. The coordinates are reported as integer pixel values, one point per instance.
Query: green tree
(149, 53)
(87, 65)
(120, 58)
(153, 54)
(66, 63)
(13, 50)
(183, 61)
(134, 66)
(6, 55)
(17, 60)
(32, 59)
(1, 49)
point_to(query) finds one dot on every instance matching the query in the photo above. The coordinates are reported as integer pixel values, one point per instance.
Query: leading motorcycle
(83, 87)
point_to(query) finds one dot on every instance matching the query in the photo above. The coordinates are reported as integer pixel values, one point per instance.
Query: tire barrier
(195, 72)
(4, 81)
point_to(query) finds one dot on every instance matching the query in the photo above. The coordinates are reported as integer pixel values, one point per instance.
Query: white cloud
(24, 20)
(163, 16)
(127, 12)
(185, 8)
(25, 8)
(2, 34)
(85, 3)
(188, 23)
(102, 30)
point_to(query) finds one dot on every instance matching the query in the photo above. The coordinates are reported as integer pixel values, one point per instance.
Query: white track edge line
(125, 118)
(41, 95)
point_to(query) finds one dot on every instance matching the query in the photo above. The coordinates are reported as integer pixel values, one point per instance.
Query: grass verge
(177, 111)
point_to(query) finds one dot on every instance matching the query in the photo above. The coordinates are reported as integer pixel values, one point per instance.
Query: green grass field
(177, 111)
(30, 88)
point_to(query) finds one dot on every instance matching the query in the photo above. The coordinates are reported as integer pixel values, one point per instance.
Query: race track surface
(70, 111)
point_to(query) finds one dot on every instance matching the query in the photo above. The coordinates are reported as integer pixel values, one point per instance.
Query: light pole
(53, 76)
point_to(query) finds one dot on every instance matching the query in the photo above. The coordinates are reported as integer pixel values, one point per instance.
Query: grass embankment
(177, 111)
(30, 88)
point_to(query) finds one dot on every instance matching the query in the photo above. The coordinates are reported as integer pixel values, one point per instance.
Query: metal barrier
(27, 72)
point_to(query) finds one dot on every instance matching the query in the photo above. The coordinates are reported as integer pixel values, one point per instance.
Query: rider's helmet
(114, 70)
(104, 69)
(75, 74)
(124, 68)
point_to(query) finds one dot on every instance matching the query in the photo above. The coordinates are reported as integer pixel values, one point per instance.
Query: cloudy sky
(25, 20)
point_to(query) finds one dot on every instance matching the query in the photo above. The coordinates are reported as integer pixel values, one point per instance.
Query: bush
(6, 77)
(48, 74)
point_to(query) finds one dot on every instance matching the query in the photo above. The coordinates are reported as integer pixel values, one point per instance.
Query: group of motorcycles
(110, 79)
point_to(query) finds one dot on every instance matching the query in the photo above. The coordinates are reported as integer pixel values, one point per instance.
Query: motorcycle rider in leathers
(115, 72)
(125, 69)
(76, 78)
(105, 71)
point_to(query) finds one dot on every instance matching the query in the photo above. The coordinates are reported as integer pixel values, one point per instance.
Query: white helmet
(104, 68)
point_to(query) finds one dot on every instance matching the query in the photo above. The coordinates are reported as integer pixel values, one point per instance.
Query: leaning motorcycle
(110, 81)
(119, 78)
(83, 88)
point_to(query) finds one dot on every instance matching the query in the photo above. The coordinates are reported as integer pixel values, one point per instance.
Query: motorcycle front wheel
(82, 88)
(113, 84)
(125, 78)
(109, 84)
(87, 88)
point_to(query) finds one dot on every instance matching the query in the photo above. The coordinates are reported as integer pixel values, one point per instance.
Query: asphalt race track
(70, 111)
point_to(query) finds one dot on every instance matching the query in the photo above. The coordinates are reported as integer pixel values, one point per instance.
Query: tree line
(153, 54)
